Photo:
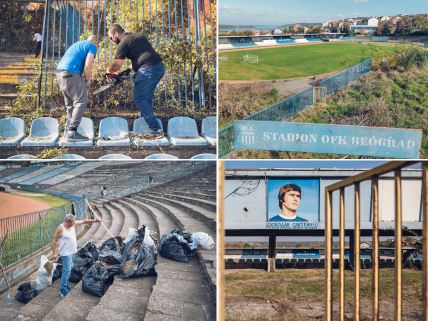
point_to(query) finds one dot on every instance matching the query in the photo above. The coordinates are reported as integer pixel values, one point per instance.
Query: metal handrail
(355, 181)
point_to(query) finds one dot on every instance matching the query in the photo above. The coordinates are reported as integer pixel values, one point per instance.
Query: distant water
(229, 28)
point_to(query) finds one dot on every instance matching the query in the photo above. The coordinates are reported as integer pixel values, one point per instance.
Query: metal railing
(182, 31)
(32, 232)
(373, 176)
(291, 106)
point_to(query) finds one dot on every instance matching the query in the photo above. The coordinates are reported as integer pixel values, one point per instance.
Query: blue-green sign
(325, 138)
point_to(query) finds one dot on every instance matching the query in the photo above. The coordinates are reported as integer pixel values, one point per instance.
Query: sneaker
(157, 134)
(74, 135)
(61, 295)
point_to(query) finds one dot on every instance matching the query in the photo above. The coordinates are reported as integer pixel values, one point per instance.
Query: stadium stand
(181, 291)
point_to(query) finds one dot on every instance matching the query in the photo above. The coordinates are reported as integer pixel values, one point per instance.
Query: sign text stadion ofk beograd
(325, 138)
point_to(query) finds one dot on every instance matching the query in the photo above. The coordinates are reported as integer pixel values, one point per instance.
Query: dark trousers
(38, 48)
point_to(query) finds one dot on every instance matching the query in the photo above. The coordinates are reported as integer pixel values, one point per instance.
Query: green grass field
(296, 61)
(49, 199)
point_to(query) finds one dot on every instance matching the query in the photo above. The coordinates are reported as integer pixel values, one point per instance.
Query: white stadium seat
(70, 156)
(205, 156)
(86, 128)
(22, 156)
(113, 131)
(44, 132)
(209, 129)
(12, 131)
(161, 156)
(140, 129)
(115, 156)
(182, 131)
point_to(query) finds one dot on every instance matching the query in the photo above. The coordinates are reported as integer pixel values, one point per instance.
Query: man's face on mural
(291, 201)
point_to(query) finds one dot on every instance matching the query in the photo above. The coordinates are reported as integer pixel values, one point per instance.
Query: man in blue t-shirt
(74, 69)
(289, 197)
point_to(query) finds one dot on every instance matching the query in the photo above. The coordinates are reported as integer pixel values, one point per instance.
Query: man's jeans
(67, 263)
(146, 80)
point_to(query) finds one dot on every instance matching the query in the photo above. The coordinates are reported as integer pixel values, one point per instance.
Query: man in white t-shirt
(65, 235)
(38, 38)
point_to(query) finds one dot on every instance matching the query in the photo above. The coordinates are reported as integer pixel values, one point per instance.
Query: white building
(373, 22)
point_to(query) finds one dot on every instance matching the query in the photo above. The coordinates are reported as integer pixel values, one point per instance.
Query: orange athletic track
(14, 205)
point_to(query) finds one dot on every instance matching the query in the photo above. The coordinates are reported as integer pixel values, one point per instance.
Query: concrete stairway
(181, 291)
(14, 68)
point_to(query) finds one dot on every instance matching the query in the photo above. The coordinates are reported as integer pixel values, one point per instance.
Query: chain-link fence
(32, 232)
(291, 106)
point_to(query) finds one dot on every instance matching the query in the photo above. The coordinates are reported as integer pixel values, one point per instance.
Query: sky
(280, 12)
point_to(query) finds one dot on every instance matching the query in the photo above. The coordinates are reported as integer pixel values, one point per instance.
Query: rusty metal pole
(375, 248)
(357, 251)
(328, 258)
(398, 250)
(220, 247)
(42, 55)
(425, 240)
(342, 255)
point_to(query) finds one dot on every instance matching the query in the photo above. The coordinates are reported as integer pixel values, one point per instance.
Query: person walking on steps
(149, 70)
(73, 72)
(65, 235)
(38, 39)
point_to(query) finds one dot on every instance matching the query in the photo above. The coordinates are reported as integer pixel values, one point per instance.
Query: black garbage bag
(88, 251)
(57, 273)
(139, 259)
(176, 246)
(112, 269)
(80, 265)
(111, 251)
(110, 257)
(115, 244)
(97, 280)
(25, 293)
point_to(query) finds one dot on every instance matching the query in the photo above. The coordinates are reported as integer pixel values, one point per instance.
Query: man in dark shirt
(148, 67)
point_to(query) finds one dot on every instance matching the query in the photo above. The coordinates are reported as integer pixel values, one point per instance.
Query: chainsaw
(113, 80)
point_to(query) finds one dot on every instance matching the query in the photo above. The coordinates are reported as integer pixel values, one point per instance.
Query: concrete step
(185, 193)
(193, 191)
(180, 293)
(166, 220)
(125, 299)
(145, 217)
(130, 218)
(115, 226)
(204, 216)
(206, 204)
(75, 307)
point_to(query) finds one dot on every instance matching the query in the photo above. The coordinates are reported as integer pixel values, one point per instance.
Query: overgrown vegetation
(18, 23)
(294, 295)
(235, 105)
(182, 57)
